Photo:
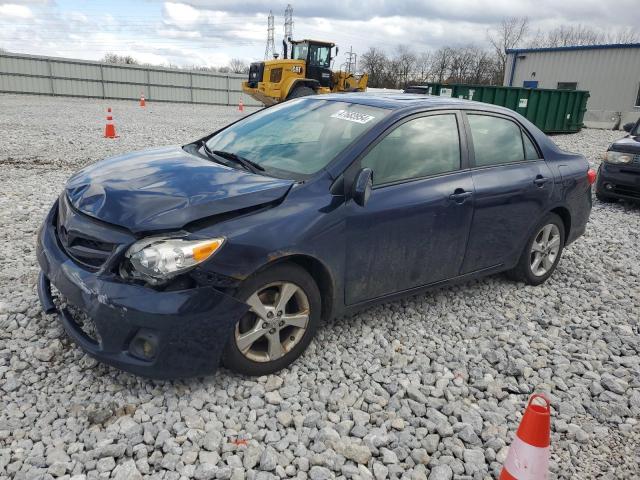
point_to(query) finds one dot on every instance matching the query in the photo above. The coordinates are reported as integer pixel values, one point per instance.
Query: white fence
(38, 75)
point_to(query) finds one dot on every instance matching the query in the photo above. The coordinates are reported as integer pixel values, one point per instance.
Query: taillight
(591, 176)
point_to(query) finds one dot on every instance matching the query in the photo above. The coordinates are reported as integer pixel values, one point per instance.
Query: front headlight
(161, 258)
(617, 157)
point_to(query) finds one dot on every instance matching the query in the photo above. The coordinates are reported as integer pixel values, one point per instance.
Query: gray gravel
(430, 387)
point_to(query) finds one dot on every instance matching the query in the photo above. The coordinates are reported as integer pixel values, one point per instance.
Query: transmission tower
(351, 63)
(288, 23)
(270, 48)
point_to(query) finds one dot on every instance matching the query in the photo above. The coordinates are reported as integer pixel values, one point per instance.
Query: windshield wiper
(215, 155)
(245, 162)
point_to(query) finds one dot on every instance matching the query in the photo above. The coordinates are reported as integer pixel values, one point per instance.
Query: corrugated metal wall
(79, 78)
(611, 75)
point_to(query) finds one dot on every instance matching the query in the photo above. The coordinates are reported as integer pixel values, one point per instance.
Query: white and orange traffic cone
(528, 457)
(110, 128)
(142, 102)
(241, 106)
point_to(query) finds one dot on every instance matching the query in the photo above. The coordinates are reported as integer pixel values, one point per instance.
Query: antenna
(288, 23)
(270, 49)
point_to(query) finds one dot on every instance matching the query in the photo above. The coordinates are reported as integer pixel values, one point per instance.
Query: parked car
(233, 248)
(619, 173)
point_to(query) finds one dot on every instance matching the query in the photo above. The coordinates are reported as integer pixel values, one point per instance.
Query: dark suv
(619, 173)
(236, 246)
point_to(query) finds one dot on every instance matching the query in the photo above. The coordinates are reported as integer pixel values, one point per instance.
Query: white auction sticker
(353, 116)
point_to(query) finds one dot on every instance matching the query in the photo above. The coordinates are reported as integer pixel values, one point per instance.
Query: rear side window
(418, 148)
(497, 140)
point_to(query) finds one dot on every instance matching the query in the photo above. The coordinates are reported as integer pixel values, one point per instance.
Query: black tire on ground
(523, 270)
(234, 359)
(301, 91)
(605, 198)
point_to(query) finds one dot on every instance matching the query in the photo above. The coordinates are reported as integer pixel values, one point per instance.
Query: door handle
(459, 195)
(540, 180)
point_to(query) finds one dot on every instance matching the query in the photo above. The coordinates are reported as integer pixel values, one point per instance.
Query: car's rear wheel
(284, 314)
(541, 253)
(301, 91)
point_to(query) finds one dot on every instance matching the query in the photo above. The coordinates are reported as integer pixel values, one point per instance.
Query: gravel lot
(432, 386)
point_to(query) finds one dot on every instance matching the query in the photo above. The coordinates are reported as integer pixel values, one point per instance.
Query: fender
(291, 84)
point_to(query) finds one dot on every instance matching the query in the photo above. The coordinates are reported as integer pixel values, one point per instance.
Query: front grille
(276, 75)
(82, 248)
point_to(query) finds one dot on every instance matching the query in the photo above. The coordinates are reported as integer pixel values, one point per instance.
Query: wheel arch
(565, 216)
(302, 82)
(318, 271)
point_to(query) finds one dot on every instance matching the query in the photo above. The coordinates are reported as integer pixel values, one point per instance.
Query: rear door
(513, 187)
(414, 228)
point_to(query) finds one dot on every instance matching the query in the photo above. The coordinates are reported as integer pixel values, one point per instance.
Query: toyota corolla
(232, 249)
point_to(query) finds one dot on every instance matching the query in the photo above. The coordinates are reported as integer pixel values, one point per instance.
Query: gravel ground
(432, 386)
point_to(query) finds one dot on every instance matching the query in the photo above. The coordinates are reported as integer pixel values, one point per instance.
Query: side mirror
(628, 126)
(362, 187)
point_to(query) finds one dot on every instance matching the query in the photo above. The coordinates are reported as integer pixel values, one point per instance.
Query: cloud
(11, 10)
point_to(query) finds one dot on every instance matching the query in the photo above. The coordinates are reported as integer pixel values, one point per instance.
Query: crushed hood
(166, 188)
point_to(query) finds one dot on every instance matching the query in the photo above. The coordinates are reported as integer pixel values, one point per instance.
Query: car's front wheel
(541, 253)
(283, 317)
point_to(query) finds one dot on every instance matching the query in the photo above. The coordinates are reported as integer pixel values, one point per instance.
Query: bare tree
(374, 62)
(119, 59)
(441, 62)
(237, 65)
(423, 66)
(406, 62)
(509, 33)
(624, 35)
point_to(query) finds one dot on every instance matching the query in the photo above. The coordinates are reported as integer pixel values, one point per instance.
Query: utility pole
(270, 49)
(351, 62)
(288, 24)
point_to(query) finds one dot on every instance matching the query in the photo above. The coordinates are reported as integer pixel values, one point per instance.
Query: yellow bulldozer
(306, 72)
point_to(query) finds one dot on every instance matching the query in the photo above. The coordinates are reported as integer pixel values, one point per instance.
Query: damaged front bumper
(156, 334)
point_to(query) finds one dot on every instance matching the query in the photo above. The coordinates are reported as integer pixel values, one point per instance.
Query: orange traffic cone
(241, 106)
(142, 102)
(528, 457)
(110, 128)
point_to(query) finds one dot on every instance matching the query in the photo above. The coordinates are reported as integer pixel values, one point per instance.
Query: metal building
(611, 74)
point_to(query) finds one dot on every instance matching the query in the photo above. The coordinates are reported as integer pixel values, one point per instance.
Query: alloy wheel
(545, 249)
(275, 324)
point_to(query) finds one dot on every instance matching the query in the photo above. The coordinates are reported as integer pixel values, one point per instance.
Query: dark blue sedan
(234, 248)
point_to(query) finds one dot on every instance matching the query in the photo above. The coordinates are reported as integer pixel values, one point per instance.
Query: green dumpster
(552, 111)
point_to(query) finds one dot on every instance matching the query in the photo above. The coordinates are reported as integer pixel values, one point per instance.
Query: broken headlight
(161, 258)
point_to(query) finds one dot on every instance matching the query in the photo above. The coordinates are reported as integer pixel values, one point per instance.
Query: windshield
(297, 138)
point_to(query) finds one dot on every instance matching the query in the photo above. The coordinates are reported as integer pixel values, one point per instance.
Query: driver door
(318, 63)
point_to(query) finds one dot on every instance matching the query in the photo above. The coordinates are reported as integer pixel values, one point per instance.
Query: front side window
(496, 140)
(299, 51)
(297, 138)
(418, 148)
(319, 56)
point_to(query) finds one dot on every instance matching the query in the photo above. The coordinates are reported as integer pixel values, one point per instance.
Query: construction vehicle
(306, 72)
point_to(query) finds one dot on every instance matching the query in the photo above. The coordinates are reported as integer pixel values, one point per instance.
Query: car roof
(396, 101)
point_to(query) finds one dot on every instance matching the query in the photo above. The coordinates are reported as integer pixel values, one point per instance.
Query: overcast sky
(210, 32)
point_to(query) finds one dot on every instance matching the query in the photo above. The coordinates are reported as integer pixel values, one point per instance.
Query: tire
(525, 271)
(605, 198)
(256, 336)
(301, 91)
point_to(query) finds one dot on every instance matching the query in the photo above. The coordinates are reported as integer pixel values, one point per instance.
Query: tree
(374, 62)
(406, 62)
(509, 33)
(119, 59)
(237, 65)
(440, 63)
(423, 66)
